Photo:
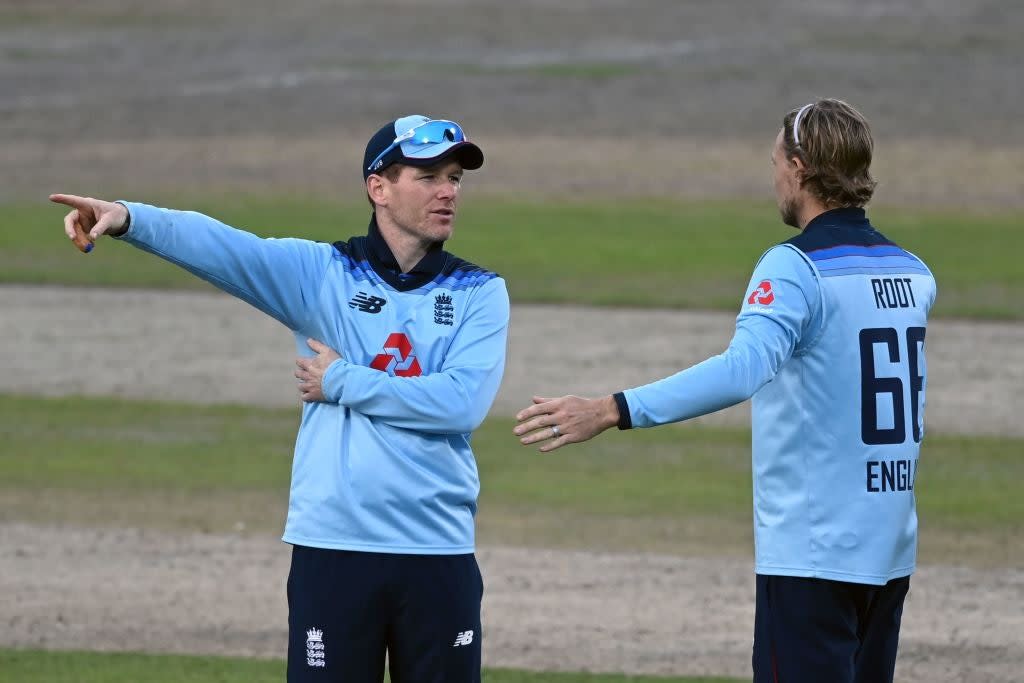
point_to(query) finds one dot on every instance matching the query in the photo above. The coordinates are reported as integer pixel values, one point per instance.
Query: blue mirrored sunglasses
(417, 141)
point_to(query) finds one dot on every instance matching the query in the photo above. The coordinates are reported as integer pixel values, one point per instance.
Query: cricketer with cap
(402, 349)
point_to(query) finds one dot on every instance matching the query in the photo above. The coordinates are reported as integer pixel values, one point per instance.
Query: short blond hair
(834, 142)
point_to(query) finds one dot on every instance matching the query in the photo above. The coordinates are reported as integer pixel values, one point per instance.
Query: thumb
(103, 225)
(541, 399)
(315, 345)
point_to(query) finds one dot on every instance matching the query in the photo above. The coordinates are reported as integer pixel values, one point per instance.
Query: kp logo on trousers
(397, 359)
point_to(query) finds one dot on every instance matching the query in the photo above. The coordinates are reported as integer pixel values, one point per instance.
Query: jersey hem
(373, 548)
(832, 575)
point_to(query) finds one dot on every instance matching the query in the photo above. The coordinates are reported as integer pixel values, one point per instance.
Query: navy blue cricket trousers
(821, 631)
(346, 609)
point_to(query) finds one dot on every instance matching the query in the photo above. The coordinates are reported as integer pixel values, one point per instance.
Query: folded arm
(453, 400)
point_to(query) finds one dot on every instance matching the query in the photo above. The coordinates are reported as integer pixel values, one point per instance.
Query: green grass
(38, 666)
(629, 253)
(676, 489)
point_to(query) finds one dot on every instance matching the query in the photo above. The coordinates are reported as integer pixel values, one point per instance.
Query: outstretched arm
(281, 277)
(765, 337)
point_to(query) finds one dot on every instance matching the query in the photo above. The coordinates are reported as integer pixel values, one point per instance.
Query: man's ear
(376, 190)
(801, 168)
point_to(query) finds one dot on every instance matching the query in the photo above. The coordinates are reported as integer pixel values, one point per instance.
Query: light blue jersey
(385, 465)
(830, 344)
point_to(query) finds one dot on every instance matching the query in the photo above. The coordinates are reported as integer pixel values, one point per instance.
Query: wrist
(332, 383)
(610, 415)
(625, 421)
(125, 225)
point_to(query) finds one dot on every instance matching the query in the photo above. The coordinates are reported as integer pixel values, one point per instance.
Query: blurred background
(146, 421)
(572, 98)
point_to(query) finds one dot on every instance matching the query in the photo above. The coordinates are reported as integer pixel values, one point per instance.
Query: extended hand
(569, 419)
(90, 219)
(310, 372)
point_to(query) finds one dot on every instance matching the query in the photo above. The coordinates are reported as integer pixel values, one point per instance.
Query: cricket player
(829, 342)
(408, 346)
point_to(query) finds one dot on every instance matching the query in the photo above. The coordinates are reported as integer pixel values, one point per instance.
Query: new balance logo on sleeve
(464, 638)
(367, 303)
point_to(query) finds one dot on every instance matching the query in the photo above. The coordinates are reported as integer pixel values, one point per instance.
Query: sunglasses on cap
(418, 141)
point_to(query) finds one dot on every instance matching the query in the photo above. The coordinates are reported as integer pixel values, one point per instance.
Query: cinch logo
(763, 294)
(397, 359)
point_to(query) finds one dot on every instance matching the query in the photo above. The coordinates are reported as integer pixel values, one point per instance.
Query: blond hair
(834, 142)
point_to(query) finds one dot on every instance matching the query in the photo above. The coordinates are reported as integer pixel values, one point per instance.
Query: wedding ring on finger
(555, 432)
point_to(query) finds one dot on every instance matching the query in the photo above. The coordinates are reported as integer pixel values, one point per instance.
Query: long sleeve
(281, 277)
(780, 312)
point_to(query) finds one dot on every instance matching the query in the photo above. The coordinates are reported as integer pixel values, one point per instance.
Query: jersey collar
(849, 217)
(386, 265)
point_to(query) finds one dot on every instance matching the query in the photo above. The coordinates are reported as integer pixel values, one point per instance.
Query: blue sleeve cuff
(334, 381)
(625, 421)
(127, 221)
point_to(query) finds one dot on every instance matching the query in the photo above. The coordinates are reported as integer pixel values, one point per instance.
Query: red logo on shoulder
(763, 294)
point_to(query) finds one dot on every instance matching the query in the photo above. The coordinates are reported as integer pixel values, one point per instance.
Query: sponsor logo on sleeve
(763, 294)
(761, 298)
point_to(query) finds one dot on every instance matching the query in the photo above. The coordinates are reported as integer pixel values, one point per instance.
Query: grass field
(675, 489)
(648, 254)
(37, 666)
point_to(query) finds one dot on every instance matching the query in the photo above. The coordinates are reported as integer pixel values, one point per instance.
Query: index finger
(72, 200)
(533, 411)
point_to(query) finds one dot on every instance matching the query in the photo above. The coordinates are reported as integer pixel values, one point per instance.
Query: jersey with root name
(829, 342)
(384, 463)
(837, 431)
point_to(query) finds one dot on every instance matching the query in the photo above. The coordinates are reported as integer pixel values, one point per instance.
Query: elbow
(467, 413)
(749, 371)
(468, 419)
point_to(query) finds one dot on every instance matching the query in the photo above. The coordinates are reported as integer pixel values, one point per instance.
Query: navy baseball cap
(419, 141)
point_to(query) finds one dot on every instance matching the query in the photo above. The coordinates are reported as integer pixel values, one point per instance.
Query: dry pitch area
(570, 100)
